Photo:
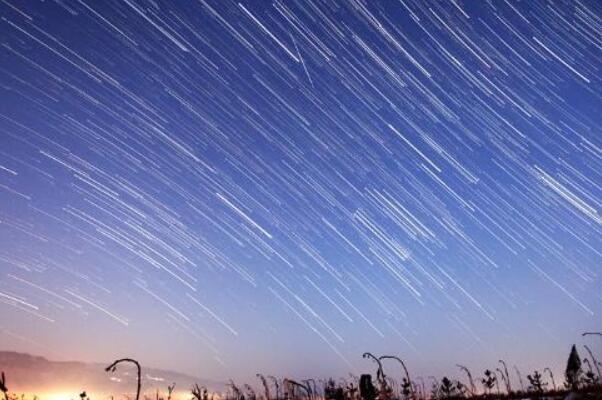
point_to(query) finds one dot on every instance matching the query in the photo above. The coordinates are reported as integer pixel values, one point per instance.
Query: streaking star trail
(225, 188)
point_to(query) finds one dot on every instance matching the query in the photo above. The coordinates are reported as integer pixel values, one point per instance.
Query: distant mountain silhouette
(26, 373)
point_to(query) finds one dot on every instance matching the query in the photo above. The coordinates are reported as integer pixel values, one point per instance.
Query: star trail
(232, 187)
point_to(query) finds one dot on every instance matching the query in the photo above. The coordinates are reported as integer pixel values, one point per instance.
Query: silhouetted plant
(266, 388)
(170, 389)
(196, 392)
(535, 383)
(311, 385)
(199, 392)
(589, 365)
(333, 392)
(473, 388)
(593, 360)
(589, 378)
(503, 378)
(520, 378)
(417, 389)
(507, 380)
(488, 381)
(551, 377)
(367, 389)
(351, 391)
(434, 387)
(250, 392)
(299, 385)
(406, 385)
(446, 387)
(276, 385)
(406, 388)
(449, 388)
(238, 395)
(423, 387)
(380, 375)
(113, 367)
(3, 387)
(573, 370)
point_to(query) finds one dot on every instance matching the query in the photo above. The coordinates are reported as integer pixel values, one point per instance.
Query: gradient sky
(226, 188)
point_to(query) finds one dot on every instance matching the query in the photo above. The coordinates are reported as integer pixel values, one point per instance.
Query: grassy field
(581, 380)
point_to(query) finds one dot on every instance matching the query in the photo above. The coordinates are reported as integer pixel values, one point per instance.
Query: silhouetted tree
(573, 370)
(113, 367)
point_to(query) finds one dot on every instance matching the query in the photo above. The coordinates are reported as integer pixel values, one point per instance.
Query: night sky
(226, 188)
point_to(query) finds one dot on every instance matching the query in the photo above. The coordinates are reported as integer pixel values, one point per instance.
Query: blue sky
(223, 188)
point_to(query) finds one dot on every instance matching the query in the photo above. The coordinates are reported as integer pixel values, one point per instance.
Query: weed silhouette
(551, 377)
(489, 381)
(266, 388)
(536, 384)
(406, 385)
(473, 388)
(3, 387)
(113, 367)
(507, 379)
(520, 378)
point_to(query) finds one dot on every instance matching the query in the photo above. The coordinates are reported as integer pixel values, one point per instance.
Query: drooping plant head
(520, 378)
(507, 378)
(266, 388)
(403, 365)
(380, 375)
(594, 361)
(470, 380)
(113, 368)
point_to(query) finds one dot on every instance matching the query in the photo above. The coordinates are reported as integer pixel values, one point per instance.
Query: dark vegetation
(495, 383)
